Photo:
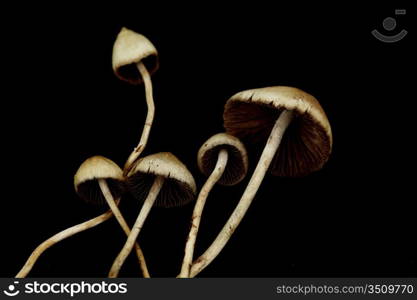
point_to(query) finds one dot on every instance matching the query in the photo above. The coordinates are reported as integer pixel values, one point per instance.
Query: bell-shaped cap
(129, 49)
(90, 171)
(307, 143)
(237, 161)
(178, 188)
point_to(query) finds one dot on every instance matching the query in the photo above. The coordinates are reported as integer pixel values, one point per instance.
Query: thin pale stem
(149, 118)
(59, 237)
(265, 160)
(198, 210)
(127, 248)
(119, 217)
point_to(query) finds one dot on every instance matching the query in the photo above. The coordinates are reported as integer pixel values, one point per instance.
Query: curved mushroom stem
(149, 118)
(59, 237)
(268, 154)
(119, 217)
(198, 210)
(127, 248)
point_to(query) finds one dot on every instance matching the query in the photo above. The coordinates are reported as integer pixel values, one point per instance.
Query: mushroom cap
(179, 186)
(90, 171)
(307, 143)
(237, 162)
(129, 49)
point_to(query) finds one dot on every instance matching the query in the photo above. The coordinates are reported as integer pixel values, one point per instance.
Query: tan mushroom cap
(129, 49)
(93, 169)
(307, 142)
(179, 186)
(237, 162)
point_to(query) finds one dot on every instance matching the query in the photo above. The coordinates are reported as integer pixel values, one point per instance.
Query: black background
(63, 104)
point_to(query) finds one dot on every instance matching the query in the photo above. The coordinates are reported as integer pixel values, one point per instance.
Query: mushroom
(263, 115)
(135, 59)
(109, 176)
(159, 179)
(224, 159)
(98, 179)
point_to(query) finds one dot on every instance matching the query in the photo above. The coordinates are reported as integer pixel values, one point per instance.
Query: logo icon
(389, 24)
(11, 290)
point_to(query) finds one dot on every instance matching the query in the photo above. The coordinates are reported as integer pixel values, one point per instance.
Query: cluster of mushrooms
(289, 123)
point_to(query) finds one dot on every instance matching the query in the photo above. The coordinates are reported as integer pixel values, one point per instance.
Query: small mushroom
(135, 59)
(224, 159)
(95, 176)
(109, 176)
(262, 116)
(98, 179)
(159, 179)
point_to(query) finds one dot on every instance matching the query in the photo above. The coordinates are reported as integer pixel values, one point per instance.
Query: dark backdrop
(62, 104)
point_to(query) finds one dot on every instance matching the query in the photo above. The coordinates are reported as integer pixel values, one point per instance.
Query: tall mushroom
(224, 159)
(263, 115)
(98, 179)
(135, 59)
(159, 179)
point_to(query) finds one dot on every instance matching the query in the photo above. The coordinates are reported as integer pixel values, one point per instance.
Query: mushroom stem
(59, 237)
(149, 118)
(119, 217)
(267, 155)
(198, 210)
(127, 248)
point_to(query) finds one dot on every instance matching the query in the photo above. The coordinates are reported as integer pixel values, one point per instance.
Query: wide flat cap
(307, 142)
